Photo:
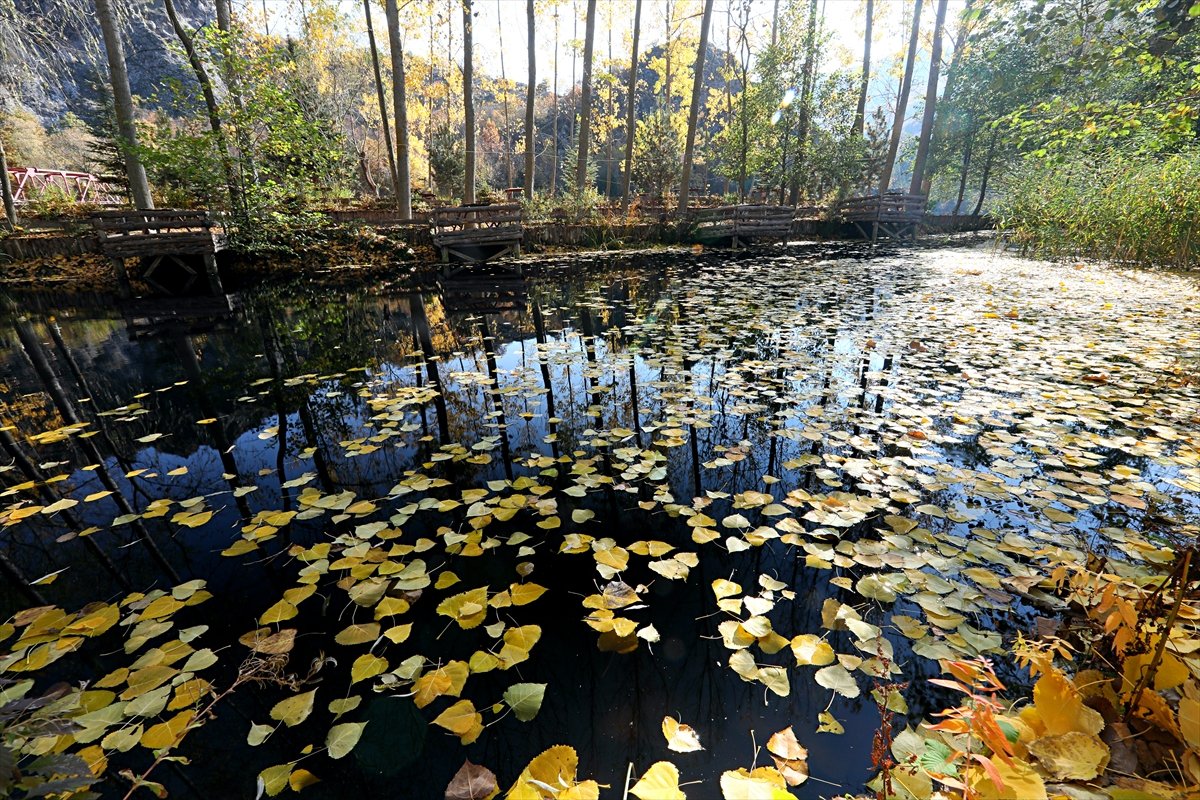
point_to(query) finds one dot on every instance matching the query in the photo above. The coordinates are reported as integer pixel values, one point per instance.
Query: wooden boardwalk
(477, 234)
(174, 249)
(743, 224)
(896, 214)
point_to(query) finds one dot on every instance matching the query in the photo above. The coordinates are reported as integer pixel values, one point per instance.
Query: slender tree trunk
(505, 137)
(139, 186)
(468, 103)
(689, 145)
(585, 98)
(554, 138)
(931, 93)
(987, 171)
(400, 107)
(808, 78)
(10, 207)
(210, 101)
(889, 163)
(856, 129)
(744, 45)
(381, 97)
(631, 110)
(775, 24)
(966, 167)
(530, 98)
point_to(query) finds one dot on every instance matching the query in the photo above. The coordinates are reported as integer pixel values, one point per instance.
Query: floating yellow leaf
(462, 720)
(660, 782)
(680, 738)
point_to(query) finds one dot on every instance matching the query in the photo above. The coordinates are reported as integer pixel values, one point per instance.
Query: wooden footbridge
(477, 233)
(172, 250)
(742, 224)
(30, 184)
(895, 214)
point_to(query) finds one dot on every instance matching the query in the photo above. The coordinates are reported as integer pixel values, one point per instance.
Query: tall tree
(631, 105)
(585, 98)
(689, 145)
(530, 97)
(935, 65)
(382, 99)
(6, 193)
(505, 135)
(804, 118)
(400, 108)
(123, 102)
(468, 103)
(856, 128)
(889, 163)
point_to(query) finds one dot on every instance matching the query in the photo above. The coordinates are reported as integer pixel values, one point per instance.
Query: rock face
(68, 73)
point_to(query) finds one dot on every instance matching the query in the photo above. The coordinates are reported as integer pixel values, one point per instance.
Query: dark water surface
(967, 391)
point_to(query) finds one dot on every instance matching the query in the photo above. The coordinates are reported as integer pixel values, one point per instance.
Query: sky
(503, 22)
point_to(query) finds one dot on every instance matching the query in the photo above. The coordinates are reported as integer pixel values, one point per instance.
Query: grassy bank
(1115, 206)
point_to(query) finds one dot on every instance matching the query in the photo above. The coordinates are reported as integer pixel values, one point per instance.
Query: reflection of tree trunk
(416, 303)
(489, 353)
(32, 473)
(13, 575)
(191, 367)
(37, 356)
(539, 326)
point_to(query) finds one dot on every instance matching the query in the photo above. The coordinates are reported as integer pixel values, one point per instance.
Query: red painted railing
(30, 183)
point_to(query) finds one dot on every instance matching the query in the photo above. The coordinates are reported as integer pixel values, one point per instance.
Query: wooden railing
(476, 224)
(745, 221)
(134, 234)
(891, 207)
(30, 183)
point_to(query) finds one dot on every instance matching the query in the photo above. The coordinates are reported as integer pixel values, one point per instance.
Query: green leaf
(937, 759)
(525, 699)
(342, 738)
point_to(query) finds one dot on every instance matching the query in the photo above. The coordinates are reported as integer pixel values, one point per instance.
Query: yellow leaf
(301, 779)
(810, 649)
(1060, 709)
(1020, 780)
(1071, 756)
(169, 733)
(367, 666)
(660, 782)
(764, 783)
(525, 593)
(462, 720)
(680, 738)
(294, 710)
(283, 610)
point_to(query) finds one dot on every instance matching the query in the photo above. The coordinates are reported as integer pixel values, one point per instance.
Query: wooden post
(214, 277)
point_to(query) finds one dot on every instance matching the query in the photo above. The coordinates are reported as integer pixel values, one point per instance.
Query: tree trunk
(505, 141)
(554, 138)
(689, 144)
(10, 207)
(889, 163)
(808, 78)
(931, 93)
(856, 129)
(775, 24)
(987, 171)
(530, 98)
(139, 186)
(382, 99)
(585, 98)
(966, 167)
(468, 103)
(631, 110)
(224, 16)
(400, 108)
(210, 101)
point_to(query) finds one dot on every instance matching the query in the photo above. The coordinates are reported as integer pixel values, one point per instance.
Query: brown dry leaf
(1071, 756)
(472, 782)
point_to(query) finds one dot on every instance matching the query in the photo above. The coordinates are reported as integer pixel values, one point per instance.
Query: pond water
(881, 448)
